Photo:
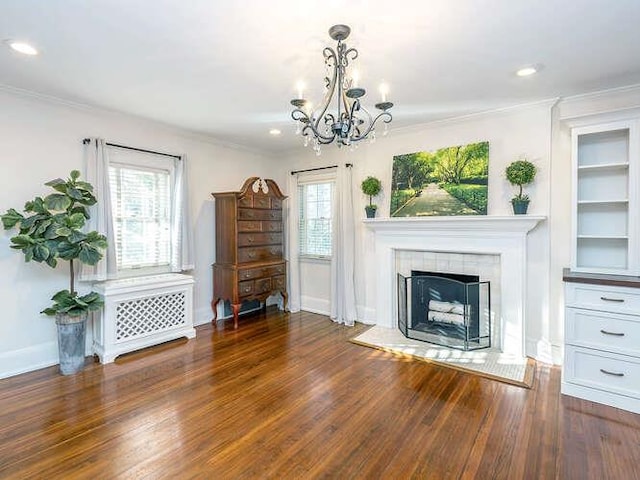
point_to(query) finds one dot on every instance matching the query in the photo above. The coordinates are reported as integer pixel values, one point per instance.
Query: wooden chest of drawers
(249, 245)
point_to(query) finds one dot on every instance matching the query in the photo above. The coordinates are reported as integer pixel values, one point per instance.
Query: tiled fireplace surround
(492, 247)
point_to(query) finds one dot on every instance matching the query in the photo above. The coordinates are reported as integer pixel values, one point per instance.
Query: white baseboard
(28, 359)
(544, 351)
(366, 315)
(320, 306)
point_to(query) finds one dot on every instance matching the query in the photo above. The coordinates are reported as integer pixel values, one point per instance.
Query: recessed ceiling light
(22, 47)
(526, 71)
(275, 131)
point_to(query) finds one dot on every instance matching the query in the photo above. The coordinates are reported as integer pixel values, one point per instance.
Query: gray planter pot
(71, 342)
(520, 206)
(370, 211)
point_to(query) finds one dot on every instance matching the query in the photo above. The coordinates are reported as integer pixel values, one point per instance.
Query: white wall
(40, 139)
(511, 133)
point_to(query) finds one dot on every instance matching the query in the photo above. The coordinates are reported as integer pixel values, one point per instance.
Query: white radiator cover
(140, 312)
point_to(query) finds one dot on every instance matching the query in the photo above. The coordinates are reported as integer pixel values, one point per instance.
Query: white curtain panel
(343, 297)
(181, 240)
(97, 174)
(292, 246)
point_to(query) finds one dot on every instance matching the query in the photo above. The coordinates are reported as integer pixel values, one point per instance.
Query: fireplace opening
(446, 309)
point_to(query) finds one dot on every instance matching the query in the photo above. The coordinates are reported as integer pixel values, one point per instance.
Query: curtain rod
(348, 165)
(87, 140)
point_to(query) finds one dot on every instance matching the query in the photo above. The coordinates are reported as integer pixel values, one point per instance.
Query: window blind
(141, 202)
(315, 219)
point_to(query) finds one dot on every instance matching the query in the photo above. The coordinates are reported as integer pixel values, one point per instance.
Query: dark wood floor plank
(287, 396)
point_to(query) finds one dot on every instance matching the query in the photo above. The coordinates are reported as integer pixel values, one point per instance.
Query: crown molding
(107, 112)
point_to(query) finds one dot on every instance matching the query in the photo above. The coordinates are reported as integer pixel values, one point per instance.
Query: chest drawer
(603, 330)
(249, 273)
(600, 297)
(254, 254)
(246, 288)
(278, 282)
(272, 226)
(263, 285)
(257, 214)
(249, 226)
(250, 239)
(604, 371)
(261, 202)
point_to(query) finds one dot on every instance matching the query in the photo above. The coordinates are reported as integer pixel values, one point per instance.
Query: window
(315, 218)
(141, 190)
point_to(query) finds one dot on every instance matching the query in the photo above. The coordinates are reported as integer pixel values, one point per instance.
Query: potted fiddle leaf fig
(521, 172)
(371, 186)
(50, 230)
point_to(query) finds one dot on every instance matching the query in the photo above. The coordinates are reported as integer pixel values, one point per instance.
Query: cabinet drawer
(604, 371)
(602, 330)
(279, 282)
(246, 201)
(276, 203)
(245, 288)
(256, 214)
(261, 202)
(261, 272)
(249, 239)
(263, 285)
(272, 226)
(253, 254)
(249, 226)
(600, 297)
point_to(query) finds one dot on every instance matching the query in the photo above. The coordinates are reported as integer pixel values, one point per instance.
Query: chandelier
(350, 122)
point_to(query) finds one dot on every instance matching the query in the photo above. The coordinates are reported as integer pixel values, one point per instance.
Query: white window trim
(147, 162)
(311, 178)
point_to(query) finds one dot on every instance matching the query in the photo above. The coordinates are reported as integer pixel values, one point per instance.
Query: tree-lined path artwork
(450, 181)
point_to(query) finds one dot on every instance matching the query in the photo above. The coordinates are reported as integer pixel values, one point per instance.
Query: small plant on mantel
(50, 229)
(521, 172)
(371, 186)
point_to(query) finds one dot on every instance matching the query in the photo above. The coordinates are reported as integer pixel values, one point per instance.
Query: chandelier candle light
(352, 122)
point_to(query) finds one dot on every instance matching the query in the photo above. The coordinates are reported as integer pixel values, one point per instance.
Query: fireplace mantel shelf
(520, 224)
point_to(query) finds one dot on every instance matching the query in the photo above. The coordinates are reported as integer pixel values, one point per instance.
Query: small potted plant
(51, 229)
(521, 172)
(371, 186)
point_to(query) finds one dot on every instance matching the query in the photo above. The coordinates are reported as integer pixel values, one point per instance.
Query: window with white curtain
(315, 208)
(141, 201)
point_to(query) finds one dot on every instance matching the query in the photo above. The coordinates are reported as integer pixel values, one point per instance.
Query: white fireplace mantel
(505, 236)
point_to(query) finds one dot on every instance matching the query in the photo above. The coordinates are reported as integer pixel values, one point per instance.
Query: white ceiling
(229, 68)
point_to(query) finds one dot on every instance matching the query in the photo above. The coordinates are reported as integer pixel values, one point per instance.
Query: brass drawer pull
(246, 275)
(607, 299)
(247, 289)
(615, 334)
(251, 254)
(613, 374)
(250, 239)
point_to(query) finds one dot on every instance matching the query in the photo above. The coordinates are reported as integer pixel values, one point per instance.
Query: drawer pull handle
(246, 275)
(250, 239)
(607, 299)
(613, 374)
(251, 255)
(247, 289)
(615, 334)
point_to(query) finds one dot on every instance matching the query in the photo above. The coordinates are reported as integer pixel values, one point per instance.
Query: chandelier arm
(386, 118)
(310, 126)
(329, 54)
(354, 54)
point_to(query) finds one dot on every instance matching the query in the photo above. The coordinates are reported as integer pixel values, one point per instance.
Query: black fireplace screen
(445, 309)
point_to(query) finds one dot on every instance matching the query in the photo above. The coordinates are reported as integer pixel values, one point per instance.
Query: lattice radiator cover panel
(142, 312)
(135, 318)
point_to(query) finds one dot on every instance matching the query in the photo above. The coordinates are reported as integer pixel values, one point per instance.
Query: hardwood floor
(287, 396)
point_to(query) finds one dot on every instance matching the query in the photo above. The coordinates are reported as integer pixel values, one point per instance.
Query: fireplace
(447, 309)
(498, 244)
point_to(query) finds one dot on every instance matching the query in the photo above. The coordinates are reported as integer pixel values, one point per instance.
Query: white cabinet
(602, 340)
(605, 198)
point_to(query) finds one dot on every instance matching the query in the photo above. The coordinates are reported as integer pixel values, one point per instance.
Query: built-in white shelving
(605, 194)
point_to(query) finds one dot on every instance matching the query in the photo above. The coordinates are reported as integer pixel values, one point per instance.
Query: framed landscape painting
(449, 181)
